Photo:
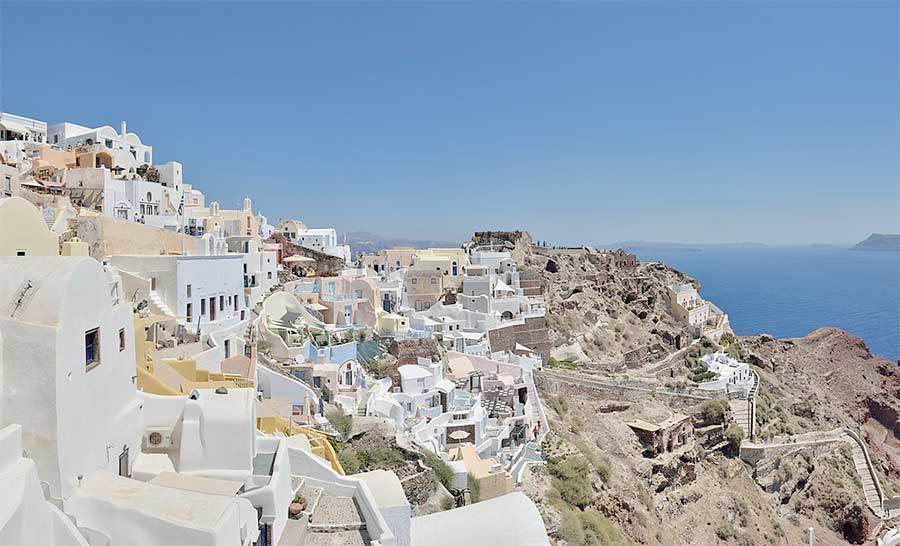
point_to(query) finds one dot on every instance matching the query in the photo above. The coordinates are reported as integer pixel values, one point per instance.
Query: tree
(712, 412)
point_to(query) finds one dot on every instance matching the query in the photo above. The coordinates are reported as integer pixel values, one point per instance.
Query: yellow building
(234, 223)
(492, 480)
(390, 323)
(175, 376)
(23, 230)
(450, 262)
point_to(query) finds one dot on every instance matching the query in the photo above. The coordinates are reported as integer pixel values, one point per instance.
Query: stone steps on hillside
(340, 538)
(740, 410)
(870, 490)
(332, 513)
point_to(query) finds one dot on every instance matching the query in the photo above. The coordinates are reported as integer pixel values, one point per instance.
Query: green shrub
(712, 412)
(349, 461)
(557, 404)
(561, 364)
(474, 488)
(342, 422)
(702, 377)
(734, 435)
(442, 471)
(598, 529)
(448, 503)
(381, 366)
(572, 480)
(570, 529)
(380, 456)
(589, 528)
(601, 467)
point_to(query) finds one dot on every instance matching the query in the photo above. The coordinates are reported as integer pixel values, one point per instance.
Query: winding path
(871, 486)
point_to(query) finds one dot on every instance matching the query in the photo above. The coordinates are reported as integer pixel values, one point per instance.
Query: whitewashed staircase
(159, 304)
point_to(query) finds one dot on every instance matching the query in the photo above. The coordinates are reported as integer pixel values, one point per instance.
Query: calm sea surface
(788, 292)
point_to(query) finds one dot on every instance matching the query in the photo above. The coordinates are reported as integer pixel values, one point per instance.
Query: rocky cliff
(605, 309)
(609, 314)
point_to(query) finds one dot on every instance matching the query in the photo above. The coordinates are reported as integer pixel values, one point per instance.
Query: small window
(188, 312)
(121, 339)
(433, 280)
(20, 253)
(415, 281)
(91, 349)
(221, 303)
(188, 290)
(202, 306)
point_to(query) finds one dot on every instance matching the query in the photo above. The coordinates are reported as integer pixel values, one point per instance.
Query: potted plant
(297, 506)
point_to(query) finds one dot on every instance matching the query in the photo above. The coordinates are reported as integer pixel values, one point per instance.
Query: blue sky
(581, 122)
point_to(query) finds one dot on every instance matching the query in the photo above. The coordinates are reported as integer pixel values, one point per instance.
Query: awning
(297, 259)
(316, 306)
(14, 127)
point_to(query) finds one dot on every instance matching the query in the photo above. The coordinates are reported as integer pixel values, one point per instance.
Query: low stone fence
(620, 389)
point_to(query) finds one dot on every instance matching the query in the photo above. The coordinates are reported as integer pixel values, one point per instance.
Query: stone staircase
(531, 451)
(334, 521)
(868, 478)
(872, 491)
(743, 409)
(740, 411)
(159, 304)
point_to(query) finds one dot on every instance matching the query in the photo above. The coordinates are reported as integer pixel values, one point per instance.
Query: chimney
(124, 127)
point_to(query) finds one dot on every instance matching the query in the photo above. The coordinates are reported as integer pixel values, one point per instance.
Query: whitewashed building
(323, 240)
(68, 331)
(135, 199)
(205, 293)
(13, 127)
(732, 375)
(26, 517)
(127, 149)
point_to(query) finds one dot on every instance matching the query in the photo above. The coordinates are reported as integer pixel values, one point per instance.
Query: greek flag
(181, 205)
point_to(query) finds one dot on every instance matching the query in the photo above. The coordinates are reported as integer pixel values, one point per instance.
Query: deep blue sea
(789, 292)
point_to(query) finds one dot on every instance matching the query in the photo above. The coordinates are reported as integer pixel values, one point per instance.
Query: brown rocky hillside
(604, 312)
(609, 315)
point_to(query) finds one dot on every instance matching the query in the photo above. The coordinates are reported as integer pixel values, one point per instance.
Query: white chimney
(124, 127)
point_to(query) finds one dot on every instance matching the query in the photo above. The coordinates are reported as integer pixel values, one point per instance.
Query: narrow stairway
(870, 490)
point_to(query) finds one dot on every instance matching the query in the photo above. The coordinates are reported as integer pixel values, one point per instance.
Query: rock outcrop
(605, 307)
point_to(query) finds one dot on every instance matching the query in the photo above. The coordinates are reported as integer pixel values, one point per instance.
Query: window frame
(93, 333)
